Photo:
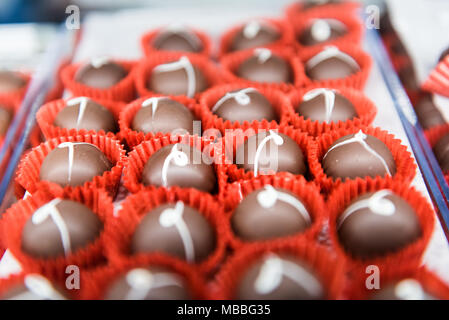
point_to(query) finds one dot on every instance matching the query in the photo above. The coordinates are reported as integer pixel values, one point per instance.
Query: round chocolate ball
(162, 114)
(444, 55)
(441, 150)
(308, 4)
(73, 164)
(148, 283)
(177, 38)
(358, 155)
(406, 289)
(11, 81)
(100, 73)
(6, 116)
(377, 224)
(264, 66)
(177, 78)
(331, 63)
(59, 228)
(322, 30)
(254, 34)
(244, 105)
(269, 213)
(268, 152)
(408, 78)
(326, 105)
(180, 165)
(84, 113)
(428, 114)
(35, 287)
(279, 277)
(177, 230)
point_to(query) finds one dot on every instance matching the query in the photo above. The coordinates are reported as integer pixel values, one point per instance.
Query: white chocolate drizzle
(277, 139)
(71, 148)
(82, 101)
(182, 63)
(262, 54)
(321, 29)
(270, 195)
(38, 286)
(142, 281)
(409, 289)
(377, 203)
(184, 32)
(50, 210)
(98, 62)
(360, 137)
(329, 100)
(172, 217)
(179, 158)
(332, 52)
(251, 29)
(153, 102)
(240, 96)
(274, 269)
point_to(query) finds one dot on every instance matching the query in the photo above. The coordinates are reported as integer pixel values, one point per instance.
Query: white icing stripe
(180, 158)
(377, 203)
(240, 96)
(182, 63)
(251, 29)
(329, 100)
(40, 287)
(71, 148)
(321, 29)
(332, 52)
(184, 32)
(142, 281)
(153, 102)
(360, 138)
(262, 54)
(270, 195)
(50, 210)
(98, 62)
(82, 101)
(173, 217)
(278, 140)
(275, 268)
(409, 289)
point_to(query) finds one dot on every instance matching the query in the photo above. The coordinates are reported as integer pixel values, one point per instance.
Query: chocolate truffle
(151, 283)
(441, 150)
(331, 63)
(162, 114)
(35, 287)
(73, 164)
(279, 277)
(100, 73)
(428, 114)
(377, 224)
(408, 78)
(407, 289)
(244, 105)
(5, 119)
(254, 34)
(326, 105)
(177, 78)
(264, 66)
(10, 81)
(84, 113)
(322, 30)
(59, 228)
(444, 55)
(180, 165)
(177, 230)
(269, 213)
(308, 4)
(358, 155)
(268, 152)
(177, 38)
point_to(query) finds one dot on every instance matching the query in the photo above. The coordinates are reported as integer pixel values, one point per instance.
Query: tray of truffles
(258, 154)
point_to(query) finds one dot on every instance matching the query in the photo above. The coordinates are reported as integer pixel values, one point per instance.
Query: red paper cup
(210, 71)
(438, 80)
(364, 107)
(122, 91)
(208, 99)
(405, 164)
(29, 166)
(307, 192)
(232, 61)
(147, 39)
(411, 254)
(134, 138)
(47, 114)
(297, 10)
(287, 37)
(15, 218)
(134, 208)
(329, 267)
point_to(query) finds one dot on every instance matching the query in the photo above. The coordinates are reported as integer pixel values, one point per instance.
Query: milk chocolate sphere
(177, 38)
(100, 73)
(35, 287)
(441, 150)
(59, 228)
(331, 63)
(6, 116)
(177, 230)
(11, 81)
(254, 34)
(377, 224)
(428, 114)
(321, 31)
